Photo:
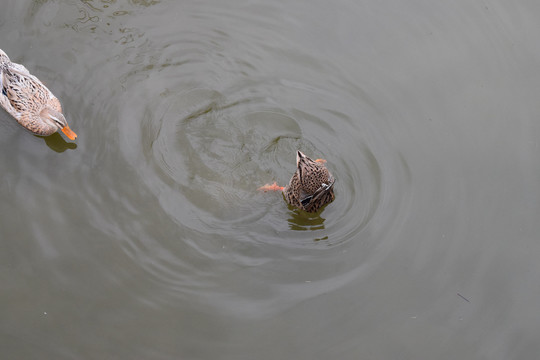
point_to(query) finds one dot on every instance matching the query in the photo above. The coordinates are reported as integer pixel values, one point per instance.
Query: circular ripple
(203, 154)
(211, 152)
(203, 147)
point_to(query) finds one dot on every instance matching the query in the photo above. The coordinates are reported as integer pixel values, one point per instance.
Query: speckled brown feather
(311, 186)
(25, 97)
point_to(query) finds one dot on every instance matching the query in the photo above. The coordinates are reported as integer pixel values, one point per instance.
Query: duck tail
(4, 60)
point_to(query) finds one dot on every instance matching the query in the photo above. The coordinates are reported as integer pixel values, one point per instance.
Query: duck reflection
(57, 143)
(302, 221)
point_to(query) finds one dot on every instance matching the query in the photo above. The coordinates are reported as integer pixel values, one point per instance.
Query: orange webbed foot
(322, 161)
(271, 187)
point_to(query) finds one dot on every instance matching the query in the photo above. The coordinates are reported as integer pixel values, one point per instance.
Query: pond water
(147, 239)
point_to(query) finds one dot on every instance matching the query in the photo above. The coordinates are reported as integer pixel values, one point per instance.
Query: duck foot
(271, 187)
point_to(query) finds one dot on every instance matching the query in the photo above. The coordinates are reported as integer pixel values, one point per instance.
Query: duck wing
(317, 199)
(23, 90)
(4, 94)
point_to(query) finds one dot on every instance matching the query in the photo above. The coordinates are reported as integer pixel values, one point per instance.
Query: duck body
(30, 102)
(311, 186)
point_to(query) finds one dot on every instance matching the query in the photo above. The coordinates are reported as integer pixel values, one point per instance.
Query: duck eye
(57, 121)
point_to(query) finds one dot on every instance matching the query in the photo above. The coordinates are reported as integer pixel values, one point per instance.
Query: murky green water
(147, 239)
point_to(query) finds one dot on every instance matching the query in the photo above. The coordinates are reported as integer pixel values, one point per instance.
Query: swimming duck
(311, 186)
(29, 101)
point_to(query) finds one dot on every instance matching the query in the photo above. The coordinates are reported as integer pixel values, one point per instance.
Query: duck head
(57, 120)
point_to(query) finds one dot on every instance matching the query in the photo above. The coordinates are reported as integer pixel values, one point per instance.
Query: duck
(29, 101)
(311, 186)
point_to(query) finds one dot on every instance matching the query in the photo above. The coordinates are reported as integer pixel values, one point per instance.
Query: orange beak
(69, 133)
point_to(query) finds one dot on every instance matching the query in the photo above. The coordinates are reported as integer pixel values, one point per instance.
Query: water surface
(147, 239)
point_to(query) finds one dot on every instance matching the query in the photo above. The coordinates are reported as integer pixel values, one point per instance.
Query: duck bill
(69, 133)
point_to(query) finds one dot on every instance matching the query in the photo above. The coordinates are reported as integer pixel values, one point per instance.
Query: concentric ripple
(202, 148)
(206, 152)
